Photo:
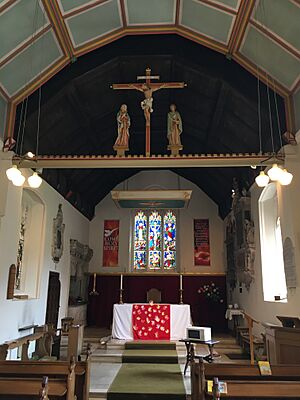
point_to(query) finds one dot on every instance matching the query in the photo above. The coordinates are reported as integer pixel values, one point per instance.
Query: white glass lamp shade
(18, 180)
(262, 179)
(286, 178)
(35, 181)
(275, 173)
(13, 172)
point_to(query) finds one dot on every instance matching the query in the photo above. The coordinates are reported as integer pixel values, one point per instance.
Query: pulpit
(283, 344)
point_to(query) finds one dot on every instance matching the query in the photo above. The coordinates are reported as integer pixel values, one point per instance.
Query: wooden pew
(23, 379)
(287, 377)
(260, 390)
(77, 376)
(43, 337)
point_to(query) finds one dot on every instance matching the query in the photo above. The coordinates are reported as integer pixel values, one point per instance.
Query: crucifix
(148, 87)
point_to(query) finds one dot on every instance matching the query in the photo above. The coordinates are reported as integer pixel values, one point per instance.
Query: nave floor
(107, 359)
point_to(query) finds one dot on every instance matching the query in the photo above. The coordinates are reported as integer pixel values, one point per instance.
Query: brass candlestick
(180, 296)
(121, 296)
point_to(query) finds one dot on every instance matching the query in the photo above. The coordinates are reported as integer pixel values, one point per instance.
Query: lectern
(283, 344)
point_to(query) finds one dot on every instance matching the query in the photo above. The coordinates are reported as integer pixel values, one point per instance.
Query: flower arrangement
(211, 292)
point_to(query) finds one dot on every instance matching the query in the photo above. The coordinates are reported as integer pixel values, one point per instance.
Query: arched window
(30, 246)
(154, 240)
(273, 274)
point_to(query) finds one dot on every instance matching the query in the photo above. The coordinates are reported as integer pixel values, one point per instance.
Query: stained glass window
(169, 240)
(154, 240)
(140, 240)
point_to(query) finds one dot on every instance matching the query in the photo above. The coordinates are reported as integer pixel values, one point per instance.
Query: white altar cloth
(122, 321)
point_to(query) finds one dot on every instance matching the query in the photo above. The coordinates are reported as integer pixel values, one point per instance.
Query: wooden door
(53, 299)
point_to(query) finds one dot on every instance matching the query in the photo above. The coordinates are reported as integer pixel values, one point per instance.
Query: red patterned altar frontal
(111, 243)
(151, 322)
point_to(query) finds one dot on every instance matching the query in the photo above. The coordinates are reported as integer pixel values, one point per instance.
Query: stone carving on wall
(240, 240)
(58, 235)
(289, 263)
(80, 256)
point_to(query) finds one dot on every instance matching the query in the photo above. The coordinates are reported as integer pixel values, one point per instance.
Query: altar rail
(204, 312)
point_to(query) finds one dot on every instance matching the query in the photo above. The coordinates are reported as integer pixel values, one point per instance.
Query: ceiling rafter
(82, 9)
(4, 94)
(123, 14)
(59, 27)
(25, 44)
(240, 25)
(177, 12)
(267, 32)
(7, 5)
(219, 6)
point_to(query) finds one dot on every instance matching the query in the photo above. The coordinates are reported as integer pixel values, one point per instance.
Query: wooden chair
(154, 295)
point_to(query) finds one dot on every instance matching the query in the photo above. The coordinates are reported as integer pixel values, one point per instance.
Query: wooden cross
(148, 87)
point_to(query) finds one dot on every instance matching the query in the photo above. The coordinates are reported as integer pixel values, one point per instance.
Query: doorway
(53, 299)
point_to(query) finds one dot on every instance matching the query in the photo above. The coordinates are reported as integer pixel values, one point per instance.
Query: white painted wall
(200, 206)
(17, 313)
(289, 200)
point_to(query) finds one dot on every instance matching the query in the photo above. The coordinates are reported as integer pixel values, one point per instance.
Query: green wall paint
(206, 20)
(95, 22)
(273, 58)
(18, 24)
(151, 12)
(70, 4)
(282, 17)
(3, 109)
(29, 63)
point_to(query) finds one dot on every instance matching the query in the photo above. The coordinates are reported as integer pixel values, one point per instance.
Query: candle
(94, 283)
(121, 282)
(180, 282)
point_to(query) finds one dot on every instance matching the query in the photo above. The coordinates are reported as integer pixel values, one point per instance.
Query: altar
(174, 318)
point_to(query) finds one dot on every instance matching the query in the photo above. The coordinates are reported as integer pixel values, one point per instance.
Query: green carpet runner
(150, 371)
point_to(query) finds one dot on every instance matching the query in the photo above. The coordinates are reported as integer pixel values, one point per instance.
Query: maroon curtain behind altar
(204, 312)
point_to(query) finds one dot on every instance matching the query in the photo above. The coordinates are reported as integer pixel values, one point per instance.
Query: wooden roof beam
(159, 161)
(58, 24)
(240, 25)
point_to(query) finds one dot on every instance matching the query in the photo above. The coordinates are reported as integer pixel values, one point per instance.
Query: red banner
(201, 242)
(111, 243)
(151, 322)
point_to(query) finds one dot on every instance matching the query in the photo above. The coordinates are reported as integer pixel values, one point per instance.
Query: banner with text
(201, 242)
(111, 243)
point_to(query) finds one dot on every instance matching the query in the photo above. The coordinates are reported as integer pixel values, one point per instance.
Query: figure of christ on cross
(148, 88)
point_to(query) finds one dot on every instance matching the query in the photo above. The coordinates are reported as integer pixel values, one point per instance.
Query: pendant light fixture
(262, 179)
(285, 178)
(13, 173)
(276, 173)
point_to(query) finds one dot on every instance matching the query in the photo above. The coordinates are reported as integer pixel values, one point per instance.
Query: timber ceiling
(39, 38)
(218, 108)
